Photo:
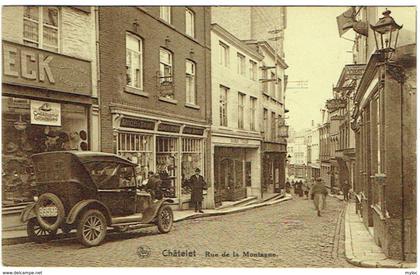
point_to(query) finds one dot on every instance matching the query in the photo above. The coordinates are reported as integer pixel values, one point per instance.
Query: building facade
(313, 168)
(384, 123)
(250, 25)
(49, 89)
(236, 113)
(325, 148)
(155, 92)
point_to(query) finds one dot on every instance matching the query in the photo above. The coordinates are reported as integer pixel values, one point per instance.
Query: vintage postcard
(209, 136)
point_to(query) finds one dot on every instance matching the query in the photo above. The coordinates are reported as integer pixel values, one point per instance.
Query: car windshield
(110, 174)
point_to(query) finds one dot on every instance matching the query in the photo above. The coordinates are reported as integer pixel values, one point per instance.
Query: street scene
(209, 136)
(288, 230)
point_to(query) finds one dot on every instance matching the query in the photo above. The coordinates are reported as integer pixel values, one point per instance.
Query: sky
(314, 52)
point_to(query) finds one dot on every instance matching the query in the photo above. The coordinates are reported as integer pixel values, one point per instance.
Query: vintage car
(89, 192)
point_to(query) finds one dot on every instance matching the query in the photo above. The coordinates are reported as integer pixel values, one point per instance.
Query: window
(252, 70)
(272, 84)
(134, 61)
(223, 105)
(165, 66)
(253, 109)
(264, 83)
(189, 22)
(223, 54)
(279, 90)
(165, 14)
(273, 126)
(40, 27)
(265, 119)
(241, 107)
(190, 82)
(241, 64)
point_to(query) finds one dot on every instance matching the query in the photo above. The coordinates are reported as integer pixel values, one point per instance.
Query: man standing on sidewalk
(197, 186)
(319, 193)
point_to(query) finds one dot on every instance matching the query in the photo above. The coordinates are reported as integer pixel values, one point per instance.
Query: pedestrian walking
(300, 188)
(345, 189)
(306, 189)
(197, 186)
(319, 193)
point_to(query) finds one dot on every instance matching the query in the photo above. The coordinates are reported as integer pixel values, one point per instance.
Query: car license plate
(49, 211)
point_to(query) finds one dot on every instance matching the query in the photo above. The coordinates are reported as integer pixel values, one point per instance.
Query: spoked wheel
(91, 229)
(38, 234)
(165, 219)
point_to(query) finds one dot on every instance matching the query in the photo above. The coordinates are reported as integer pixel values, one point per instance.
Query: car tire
(91, 228)
(60, 211)
(165, 219)
(38, 234)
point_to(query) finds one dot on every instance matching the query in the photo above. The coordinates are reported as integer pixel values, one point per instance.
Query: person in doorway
(197, 186)
(288, 186)
(319, 192)
(345, 189)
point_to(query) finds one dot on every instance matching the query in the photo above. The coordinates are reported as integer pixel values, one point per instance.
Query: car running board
(127, 219)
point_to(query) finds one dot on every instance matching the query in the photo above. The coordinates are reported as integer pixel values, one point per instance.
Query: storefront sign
(28, 66)
(171, 128)
(137, 123)
(45, 113)
(193, 131)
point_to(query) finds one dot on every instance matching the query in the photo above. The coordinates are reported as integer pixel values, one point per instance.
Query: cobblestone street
(288, 234)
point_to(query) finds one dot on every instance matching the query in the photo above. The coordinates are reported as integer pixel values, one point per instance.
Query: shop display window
(166, 156)
(21, 139)
(191, 159)
(137, 148)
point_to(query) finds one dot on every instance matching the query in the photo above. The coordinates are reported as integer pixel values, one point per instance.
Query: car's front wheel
(91, 229)
(165, 219)
(37, 234)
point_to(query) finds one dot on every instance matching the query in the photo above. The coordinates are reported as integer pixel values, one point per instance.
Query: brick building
(49, 93)
(155, 91)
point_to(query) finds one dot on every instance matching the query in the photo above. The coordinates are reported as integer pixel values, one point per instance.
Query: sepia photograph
(268, 136)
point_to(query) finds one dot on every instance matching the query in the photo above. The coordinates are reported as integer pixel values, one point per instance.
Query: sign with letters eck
(33, 67)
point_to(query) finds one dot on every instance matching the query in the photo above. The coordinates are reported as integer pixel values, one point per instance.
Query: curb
(350, 258)
(21, 240)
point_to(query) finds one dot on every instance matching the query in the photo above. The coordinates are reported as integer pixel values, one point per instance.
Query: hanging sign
(45, 113)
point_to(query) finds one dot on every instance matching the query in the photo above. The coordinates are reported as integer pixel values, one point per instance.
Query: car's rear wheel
(91, 229)
(165, 219)
(38, 234)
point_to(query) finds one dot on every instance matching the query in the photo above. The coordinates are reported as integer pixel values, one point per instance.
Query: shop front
(236, 168)
(46, 103)
(274, 167)
(172, 149)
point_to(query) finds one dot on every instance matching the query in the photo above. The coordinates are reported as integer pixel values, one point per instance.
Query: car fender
(28, 212)
(151, 212)
(81, 205)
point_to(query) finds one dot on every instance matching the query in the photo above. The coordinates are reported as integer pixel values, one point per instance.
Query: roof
(88, 156)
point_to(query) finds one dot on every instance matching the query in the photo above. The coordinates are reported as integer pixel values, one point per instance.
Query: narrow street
(288, 234)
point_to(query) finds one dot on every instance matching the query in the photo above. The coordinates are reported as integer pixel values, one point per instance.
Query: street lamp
(384, 30)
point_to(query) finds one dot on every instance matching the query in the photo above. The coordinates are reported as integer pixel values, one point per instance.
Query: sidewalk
(360, 247)
(19, 235)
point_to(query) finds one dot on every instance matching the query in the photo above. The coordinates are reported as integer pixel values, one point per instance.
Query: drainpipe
(402, 171)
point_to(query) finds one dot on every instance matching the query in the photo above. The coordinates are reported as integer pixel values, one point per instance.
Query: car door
(117, 188)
